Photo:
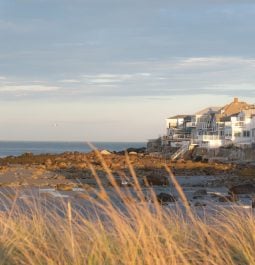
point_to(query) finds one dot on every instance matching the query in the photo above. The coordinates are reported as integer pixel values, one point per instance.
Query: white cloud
(70, 81)
(27, 88)
(2, 78)
(214, 61)
(175, 76)
(107, 78)
(233, 87)
(144, 74)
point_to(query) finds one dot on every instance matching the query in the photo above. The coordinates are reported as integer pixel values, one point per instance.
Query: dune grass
(143, 233)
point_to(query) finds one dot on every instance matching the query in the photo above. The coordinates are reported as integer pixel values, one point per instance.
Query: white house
(240, 129)
(206, 128)
(231, 124)
(213, 127)
(177, 131)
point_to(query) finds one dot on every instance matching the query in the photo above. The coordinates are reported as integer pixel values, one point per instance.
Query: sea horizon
(15, 148)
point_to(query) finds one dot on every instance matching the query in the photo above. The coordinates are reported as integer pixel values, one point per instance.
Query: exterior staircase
(181, 151)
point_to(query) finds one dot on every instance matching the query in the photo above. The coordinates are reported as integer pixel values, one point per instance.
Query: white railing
(239, 124)
(177, 137)
(183, 149)
(191, 124)
(210, 137)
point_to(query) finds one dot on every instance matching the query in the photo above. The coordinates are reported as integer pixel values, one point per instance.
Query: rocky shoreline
(73, 174)
(53, 169)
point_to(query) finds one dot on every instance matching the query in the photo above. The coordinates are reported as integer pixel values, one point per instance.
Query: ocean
(14, 148)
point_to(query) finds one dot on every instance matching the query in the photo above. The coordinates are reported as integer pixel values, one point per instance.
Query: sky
(113, 70)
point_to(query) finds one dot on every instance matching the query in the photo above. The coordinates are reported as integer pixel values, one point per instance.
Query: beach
(74, 174)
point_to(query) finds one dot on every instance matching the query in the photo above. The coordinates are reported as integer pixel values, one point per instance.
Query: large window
(237, 134)
(246, 133)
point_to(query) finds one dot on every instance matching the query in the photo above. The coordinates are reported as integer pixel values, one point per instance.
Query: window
(237, 134)
(246, 133)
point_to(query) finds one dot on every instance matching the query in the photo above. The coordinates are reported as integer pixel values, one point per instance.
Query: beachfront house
(232, 124)
(240, 128)
(206, 128)
(177, 131)
(213, 127)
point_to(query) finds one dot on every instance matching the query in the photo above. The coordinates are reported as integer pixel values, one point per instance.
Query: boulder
(156, 180)
(225, 198)
(48, 162)
(62, 165)
(200, 204)
(137, 150)
(64, 187)
(201, 192)
(253, 203)
(121, 183)
(105, 152)
(165, 197)
(242, 189)
(228, 198)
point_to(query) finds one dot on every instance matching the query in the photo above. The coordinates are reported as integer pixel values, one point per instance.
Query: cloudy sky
(113, 70)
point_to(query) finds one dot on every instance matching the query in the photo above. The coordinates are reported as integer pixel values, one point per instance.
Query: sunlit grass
(133, 231)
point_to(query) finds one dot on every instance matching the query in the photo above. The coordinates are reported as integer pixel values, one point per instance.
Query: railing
(191, 124)
(177, 137)
(239, 124)
(210, 137)
(183, 149)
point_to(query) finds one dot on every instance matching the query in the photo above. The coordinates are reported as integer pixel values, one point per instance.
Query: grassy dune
(147, 233)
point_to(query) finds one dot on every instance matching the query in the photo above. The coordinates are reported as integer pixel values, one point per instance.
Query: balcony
(176, 137)
(191, 124)
(240, 124)
(210, 137)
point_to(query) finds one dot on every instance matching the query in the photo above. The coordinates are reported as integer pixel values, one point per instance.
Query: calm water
(17, 148)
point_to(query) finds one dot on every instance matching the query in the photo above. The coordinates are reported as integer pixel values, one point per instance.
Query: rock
(81, 165)
(199, 193)
(132, 153)
(64, 187)
(200, 204)
(156, 180)
(121, 183)
(165, 197)
(198, 159)
(209, 171)
(253, 203)
(228, 198)
(60, 177)
(242, 189)
(137, 150)
(62, 165)
(48, 162)
(105, 152)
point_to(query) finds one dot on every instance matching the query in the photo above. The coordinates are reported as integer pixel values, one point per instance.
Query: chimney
(235, 100)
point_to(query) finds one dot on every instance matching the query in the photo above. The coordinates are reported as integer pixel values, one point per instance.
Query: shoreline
(75, 165)
(71, 175)
(18, 148)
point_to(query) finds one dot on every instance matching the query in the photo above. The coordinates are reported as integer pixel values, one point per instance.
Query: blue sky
(114, 70)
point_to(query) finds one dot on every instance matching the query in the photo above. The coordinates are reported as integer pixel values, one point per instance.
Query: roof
(209, 109)
(234, 107)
